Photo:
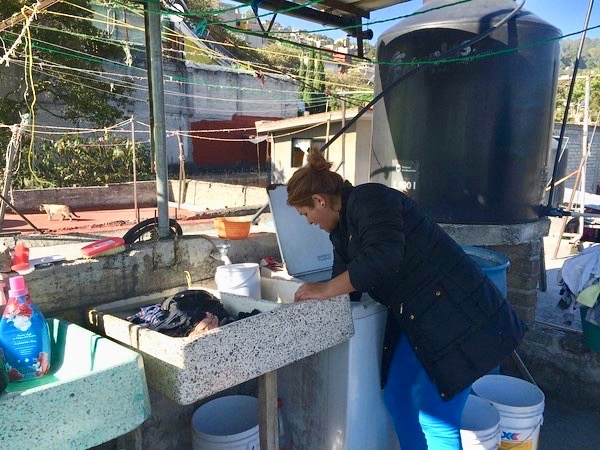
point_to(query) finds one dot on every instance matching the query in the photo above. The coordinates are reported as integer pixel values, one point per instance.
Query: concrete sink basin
(187, 369)
(96, 391)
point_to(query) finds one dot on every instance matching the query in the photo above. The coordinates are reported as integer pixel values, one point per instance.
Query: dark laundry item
(186, 309)
(148, 316)
(178, 315)
(243, 315)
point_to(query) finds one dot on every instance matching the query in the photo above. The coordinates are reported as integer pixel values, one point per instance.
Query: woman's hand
(340, 285)
(311, 291)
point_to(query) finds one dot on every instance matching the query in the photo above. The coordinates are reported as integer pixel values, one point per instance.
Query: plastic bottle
(24, 335)
(282, 425)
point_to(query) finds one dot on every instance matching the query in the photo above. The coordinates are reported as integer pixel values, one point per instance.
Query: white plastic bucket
(480, 427)
(520, 405)
(241, 279)
(229, 422)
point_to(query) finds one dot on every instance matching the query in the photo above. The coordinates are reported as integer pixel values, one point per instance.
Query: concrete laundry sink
(187, 369)
(96, 391)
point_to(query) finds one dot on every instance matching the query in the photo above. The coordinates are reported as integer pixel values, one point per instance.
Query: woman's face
(321, 214)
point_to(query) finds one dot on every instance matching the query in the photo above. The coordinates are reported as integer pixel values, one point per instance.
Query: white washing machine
(331, 400)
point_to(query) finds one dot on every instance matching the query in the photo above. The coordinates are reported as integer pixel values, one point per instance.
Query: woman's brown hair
(313, 178)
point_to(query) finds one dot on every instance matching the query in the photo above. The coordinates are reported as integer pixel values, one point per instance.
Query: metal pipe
(158, 138)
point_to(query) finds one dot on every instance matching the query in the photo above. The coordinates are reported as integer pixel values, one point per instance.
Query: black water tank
(468, 139)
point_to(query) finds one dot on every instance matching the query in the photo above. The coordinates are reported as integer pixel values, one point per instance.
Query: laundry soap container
(24, 335)
(333, 398)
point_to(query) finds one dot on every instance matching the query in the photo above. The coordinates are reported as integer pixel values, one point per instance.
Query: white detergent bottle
(24, 335)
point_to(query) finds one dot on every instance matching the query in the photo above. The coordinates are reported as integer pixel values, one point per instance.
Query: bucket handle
(539, 424)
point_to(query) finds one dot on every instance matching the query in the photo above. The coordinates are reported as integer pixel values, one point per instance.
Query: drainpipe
(158, 138)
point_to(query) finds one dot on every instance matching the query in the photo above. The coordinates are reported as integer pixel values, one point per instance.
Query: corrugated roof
(266, 126)
(337, 13)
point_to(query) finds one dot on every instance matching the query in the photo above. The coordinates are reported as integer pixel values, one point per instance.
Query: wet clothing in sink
(178, 315)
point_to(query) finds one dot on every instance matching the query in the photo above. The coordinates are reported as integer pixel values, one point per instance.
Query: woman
(447, 323)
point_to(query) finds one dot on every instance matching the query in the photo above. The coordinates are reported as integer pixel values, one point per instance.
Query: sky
(567, 15)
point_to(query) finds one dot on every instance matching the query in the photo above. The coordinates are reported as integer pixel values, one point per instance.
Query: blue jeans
(421, 417)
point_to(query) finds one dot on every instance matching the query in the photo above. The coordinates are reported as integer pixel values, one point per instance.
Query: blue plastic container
(493, 264)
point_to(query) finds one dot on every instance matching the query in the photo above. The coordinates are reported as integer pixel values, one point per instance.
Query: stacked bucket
(502, 412)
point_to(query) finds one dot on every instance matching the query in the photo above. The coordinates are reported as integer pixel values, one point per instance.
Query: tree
(284, 58)
(301, 76)
(64, 47)
(318, 97)
(308, 78)
(319, 79)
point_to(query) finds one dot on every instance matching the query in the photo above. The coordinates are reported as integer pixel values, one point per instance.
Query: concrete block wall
(209, 195)
(523, 276)
(205, 195)
(113, 196)
(575, 135)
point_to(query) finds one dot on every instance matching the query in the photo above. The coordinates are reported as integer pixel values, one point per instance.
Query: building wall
(575, 150)
(229, 148)
(193, 92)
(354, 151)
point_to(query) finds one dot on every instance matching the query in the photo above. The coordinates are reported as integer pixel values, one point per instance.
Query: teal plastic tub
(591, 332)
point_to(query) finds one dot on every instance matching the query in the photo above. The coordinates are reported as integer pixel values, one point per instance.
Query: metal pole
(584, 150)
(134, 153)
(181, 172)
(3, 198)
(343, 162)
(158, 138)
(11, 154)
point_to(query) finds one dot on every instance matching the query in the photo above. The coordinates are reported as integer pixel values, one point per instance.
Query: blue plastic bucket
(493, 264)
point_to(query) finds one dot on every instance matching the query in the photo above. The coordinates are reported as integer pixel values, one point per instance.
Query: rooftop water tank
(467, 136)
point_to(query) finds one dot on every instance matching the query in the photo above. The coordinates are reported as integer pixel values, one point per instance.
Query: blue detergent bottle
(24, 335)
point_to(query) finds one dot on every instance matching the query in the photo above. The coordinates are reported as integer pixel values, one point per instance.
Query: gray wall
(574, 146)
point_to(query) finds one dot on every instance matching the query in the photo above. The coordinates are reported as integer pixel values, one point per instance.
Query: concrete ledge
(209, 195)
(113, 196)
(501, 234)
(68, 288)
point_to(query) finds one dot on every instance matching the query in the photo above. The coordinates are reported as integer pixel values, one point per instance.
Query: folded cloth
(589, 295)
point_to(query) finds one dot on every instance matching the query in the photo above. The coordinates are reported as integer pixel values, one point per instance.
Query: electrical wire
(548, 207)
(419, 63)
